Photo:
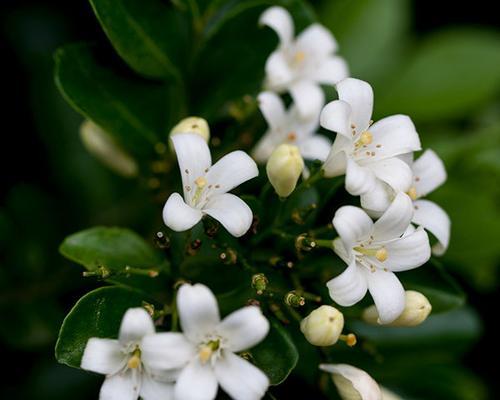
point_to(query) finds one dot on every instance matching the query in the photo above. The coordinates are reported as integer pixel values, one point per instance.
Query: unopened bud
(417, 309)
(323, 326)
(104, 147)
(259, 283)
(196, 125)
(353, 383)
(284, 168)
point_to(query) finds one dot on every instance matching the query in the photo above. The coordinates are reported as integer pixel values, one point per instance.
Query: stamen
(366, 137)
(200, 182)
(412, 192)
(350, 339)
(134, 361)
(382, 254)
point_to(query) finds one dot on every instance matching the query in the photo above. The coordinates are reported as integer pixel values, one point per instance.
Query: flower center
(200, 183)
(135, 360)
(365, 139)
(299, 57)
(412, 192)
(380, 253)
(208, 349)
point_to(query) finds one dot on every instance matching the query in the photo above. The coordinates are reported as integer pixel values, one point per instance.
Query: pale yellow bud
(417, 309)
(196, 125)
(104, 147)
(323, 326)
(284, 168)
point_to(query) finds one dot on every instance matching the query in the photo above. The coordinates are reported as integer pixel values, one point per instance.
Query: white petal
(178, 216)
(122, 386)
(336, 117)
(308, 98)
(166, 350)
(230, 171)
(359, 95)
(244, 328)
(331, 71)
(232, 212)
(393, 171)
(156, 390)
(265, 146)
(136, 324)
(193, 156)
(436, 221)
(240, 379)
(353, 225)
(272, 108)
(280, 20)
(336, 162)
(198, 311)
(342, 252)
(395, 220)
(349, 287)
(278, 72)
(196, 382)
(363, 383)
(429, 173)
(316, 41)
(395, 135)
(377, 200)
(387, 292)
(411, 251)
(103, 356)
(316, 147)
(164, 375)
(358, 179)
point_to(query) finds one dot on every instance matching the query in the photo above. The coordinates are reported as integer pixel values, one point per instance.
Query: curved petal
(280, 20)
(395, 220)
(278, 72)
(272, 108)
(122, 386)
(136, 324)
(155, 390)
(316, 41)
(377, 200)
(429, 173)
(387, 292)
(349, 287)
(103, 356)
(230, 171)
(316, 147)
(342, 252)
(336, 162)
(363, 383)
(178, 216)
(411, 251)
(331, 71)
(244, 328)
(198, 311)
(232, 212)
(336, 117)
(163, 375)
(308, 98)
(393, 136)
(353, 225)
(166, 350)
(393, 171)
(240, 379)
(433, 218)
(265, 146)
(196, 382)
(358, 179)
(359, 95)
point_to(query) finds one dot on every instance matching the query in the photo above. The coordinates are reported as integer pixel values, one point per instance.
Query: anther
(382, 254)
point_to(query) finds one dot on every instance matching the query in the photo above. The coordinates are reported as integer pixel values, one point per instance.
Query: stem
(306, 184)
(325, 243)
(175, 316)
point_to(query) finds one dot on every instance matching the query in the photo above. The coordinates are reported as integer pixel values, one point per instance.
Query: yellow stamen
(200, 182)
(134, 361)
(382, 254)
(299, 56)
(205, 354)
(366, 138)
(412, 192)
(349, 339)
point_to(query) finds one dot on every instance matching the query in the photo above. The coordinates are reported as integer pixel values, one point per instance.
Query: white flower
(373, 252)
(206, 351)
(129, 372)
(368, 155)
(206, 186)
(353, 383)
(300, 65)
(287, 126)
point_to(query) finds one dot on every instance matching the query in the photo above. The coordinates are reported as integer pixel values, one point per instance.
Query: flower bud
(323, 326)
(353, 383)
(417, 309)
(102, 146)
(196, 125)
(284, 168)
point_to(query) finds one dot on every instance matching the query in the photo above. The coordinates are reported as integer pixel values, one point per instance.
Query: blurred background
(437, 62)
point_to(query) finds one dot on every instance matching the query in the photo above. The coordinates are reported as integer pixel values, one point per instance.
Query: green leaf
(277, 355)
(97, 314)
(149, 35)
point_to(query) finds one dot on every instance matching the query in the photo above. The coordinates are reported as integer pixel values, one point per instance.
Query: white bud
(196, 125)
(323, 326)
(104, 147)
(284, 168)
(417, 309)
(353, 383)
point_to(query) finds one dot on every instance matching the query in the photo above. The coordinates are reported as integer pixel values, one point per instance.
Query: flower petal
(387, 292)
(349, 287)
(156, 390)
(363, 383)
(278, 72)
(359, 95)
(336, 162)
(166, 350)
(395, 220)
(239, 378)
(377, 200)
(232, 212)
(436, 221)
(411, 251)
(316, 41)
(198, 311)
(103, 356)
(265, 146)
(308, 98)
(336, 117)
(316, 147)
(122, 386)
(136, 324)
(393, 171)
(244, 328)
(280, 20)
(342, 252)
(358, 179)
(272, 108)
(230, 171)
(196, 382)
(178, 216)
(429, 173)
(331, 71)
(353, 225)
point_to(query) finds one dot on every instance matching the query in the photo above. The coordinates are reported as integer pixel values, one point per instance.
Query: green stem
(306, 184)
(175, 316)
(325, 243)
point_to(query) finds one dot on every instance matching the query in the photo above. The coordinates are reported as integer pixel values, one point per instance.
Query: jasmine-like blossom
(205, 187)
(299, 65)
(129, 372)
(374, 252)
